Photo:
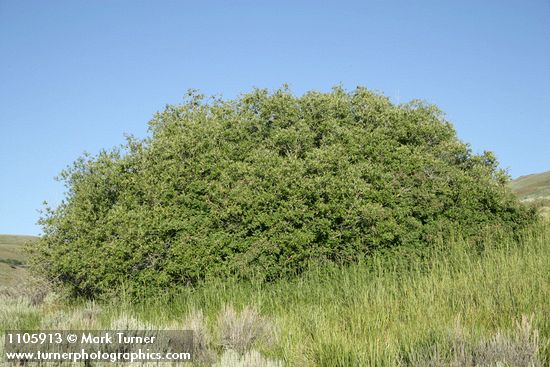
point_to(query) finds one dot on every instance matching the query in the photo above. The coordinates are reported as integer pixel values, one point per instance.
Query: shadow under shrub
(260, 186)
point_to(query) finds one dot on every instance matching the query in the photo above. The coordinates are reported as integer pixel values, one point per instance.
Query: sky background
(76, 75)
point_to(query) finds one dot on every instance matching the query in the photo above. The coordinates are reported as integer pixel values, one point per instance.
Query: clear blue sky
(76, 75)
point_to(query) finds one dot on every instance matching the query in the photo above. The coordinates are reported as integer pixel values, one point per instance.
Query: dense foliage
(263, 185)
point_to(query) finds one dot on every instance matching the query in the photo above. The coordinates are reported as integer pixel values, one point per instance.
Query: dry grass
(517, 349)
(231, 358)
(85, 317)
(242, 331)
(16, 312)
(35, 290)
(202, 340)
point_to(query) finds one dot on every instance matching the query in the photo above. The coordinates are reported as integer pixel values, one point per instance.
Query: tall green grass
(398, 305)
(455, 303)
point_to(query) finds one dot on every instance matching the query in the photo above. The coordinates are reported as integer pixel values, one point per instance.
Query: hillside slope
(532, 187)
(12, 258)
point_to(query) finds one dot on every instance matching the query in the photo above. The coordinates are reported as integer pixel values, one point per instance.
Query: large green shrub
(263, 185)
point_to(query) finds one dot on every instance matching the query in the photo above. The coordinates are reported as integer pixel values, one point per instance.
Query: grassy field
(12, 258)
(460, 305)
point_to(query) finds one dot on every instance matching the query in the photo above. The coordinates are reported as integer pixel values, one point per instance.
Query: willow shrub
(261, 186)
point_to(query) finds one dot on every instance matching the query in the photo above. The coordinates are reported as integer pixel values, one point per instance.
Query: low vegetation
(482, 303)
